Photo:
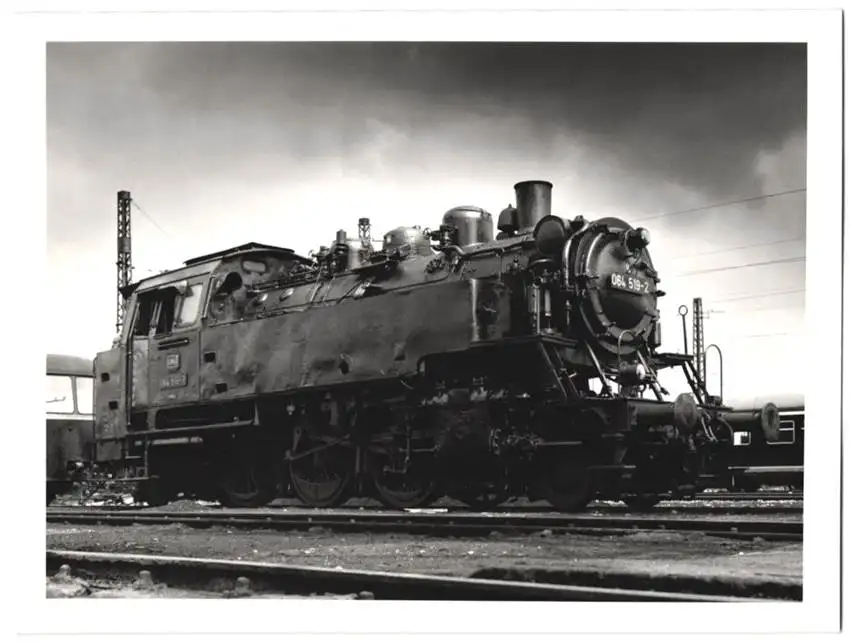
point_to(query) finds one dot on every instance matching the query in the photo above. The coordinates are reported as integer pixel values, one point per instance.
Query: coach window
(741, 439)
(786, 432)
(85, 394)
(60, 394)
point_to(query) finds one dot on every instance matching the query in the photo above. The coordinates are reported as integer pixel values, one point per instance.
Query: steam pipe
(720, 356)
(620, 339)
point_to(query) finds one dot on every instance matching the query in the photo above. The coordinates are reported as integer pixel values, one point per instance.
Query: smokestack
(533, 202)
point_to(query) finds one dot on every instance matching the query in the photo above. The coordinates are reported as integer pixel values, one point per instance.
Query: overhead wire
(724, 204)
(754, 264)
(790, 312)
(759, 335)
(733, 249)
(765, 295)
(743, 265)
(149, 217)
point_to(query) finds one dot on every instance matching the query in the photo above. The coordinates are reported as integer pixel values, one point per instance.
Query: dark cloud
(693, 114)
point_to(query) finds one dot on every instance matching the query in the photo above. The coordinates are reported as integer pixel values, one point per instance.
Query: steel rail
(198, 573)
(467, 524)
(749, 496)
(677, 508)
(737, 496)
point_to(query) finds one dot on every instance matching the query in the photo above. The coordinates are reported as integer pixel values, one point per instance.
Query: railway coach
(70, 421)
(757, 459)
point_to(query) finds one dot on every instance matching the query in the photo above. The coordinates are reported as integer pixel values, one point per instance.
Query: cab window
(144, 315)
(60, 394)
(167, 309)
(85, 394)
(189, 303)
(254, 266)
(155, 309)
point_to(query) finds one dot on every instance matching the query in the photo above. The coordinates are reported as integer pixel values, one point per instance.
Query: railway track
(675, 507)
(439, 524)
(679, 505)
(751, 496)
(252, 578)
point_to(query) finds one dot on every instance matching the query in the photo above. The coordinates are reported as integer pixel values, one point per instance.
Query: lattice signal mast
(699, 342)
(125, 262)
(364, 231)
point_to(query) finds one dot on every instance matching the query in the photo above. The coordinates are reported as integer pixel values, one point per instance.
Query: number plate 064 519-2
(173, 381)
(630, 284)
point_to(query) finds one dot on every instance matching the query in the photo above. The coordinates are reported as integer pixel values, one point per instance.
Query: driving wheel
(567, 486)
(321, 475)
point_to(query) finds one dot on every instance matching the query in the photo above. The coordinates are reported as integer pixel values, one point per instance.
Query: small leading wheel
(567, 486)
(324, 477)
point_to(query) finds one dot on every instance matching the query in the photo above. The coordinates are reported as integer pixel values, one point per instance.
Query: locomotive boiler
(433, 362)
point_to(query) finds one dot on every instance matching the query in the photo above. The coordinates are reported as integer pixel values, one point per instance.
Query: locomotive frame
(444, 362)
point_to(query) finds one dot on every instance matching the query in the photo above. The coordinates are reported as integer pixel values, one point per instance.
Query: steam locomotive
(443, 361)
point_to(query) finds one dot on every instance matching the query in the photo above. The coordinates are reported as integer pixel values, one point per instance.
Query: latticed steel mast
(125, 261)
(364, 231)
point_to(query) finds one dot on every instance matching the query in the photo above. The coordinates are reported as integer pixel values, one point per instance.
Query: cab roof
(205, 263)
(246, 248)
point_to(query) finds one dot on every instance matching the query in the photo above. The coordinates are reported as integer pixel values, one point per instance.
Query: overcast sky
(284, 143)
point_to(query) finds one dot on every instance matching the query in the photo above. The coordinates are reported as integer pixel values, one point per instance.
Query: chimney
(533, 202)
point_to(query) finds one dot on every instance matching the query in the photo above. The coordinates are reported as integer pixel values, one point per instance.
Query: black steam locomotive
(442, 362)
